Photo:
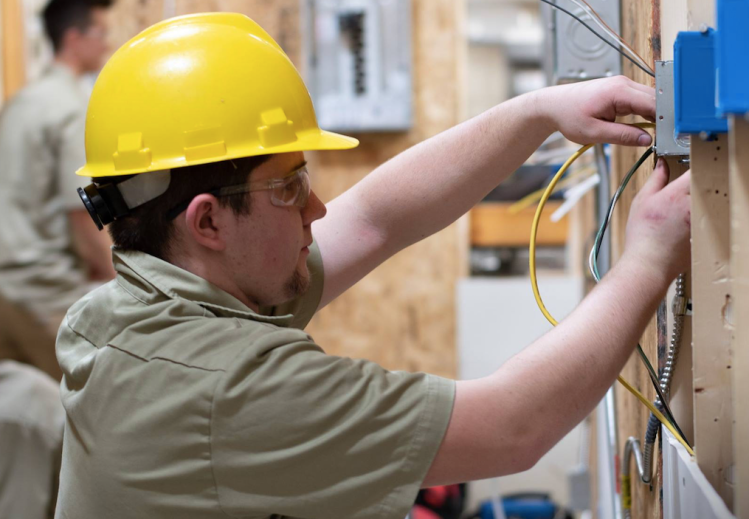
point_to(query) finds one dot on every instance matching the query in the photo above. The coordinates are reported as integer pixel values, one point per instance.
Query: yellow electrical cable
(534, 229)
(537, 294)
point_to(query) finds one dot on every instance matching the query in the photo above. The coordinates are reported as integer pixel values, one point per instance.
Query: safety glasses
(291, 190)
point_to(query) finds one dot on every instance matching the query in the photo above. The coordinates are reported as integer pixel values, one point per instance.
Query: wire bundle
(670, 422)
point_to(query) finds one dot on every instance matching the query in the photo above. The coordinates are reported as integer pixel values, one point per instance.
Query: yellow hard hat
(196, 89)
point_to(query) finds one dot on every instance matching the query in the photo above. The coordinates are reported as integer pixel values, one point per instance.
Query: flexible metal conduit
(644, 457)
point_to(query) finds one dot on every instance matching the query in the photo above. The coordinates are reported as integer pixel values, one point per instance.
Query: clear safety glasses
(291, 190)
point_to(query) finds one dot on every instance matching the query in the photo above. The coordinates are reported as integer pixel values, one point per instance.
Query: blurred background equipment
(357, 57)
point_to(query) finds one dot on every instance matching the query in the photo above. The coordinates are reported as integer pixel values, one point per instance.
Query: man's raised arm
(429, 186)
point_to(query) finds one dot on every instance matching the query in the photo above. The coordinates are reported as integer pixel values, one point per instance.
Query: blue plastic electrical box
(732, 56)
(694, 83)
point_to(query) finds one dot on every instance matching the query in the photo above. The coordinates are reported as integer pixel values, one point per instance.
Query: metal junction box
(667, 142)
(577, 53)
(357, 57)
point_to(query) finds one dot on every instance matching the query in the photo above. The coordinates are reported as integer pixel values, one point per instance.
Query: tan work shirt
(31, 424)
(41, 147)
(183, 403)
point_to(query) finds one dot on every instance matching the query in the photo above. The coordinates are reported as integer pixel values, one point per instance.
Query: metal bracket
(666, 142)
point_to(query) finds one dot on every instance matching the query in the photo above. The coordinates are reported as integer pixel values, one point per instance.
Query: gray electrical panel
(357, 57)
(575, 53)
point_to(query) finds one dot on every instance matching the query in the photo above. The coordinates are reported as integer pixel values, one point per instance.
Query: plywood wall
(640, 27)
(701, 392)
(403, 314)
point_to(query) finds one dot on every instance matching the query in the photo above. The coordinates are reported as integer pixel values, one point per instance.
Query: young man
(191, 389)
(49, 251)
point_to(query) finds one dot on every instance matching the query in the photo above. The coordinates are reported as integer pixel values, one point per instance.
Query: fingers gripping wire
(534, 284)
(593, 263)
(636, 60)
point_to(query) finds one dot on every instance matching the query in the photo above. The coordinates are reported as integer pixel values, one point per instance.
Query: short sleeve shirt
(181, 402)
(42, 132)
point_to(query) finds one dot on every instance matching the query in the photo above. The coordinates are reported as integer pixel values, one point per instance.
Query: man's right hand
(659, 222)
(505, 422)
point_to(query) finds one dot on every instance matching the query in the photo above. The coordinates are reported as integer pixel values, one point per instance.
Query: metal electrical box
(357, 57)
(667, 141)
(577, 53)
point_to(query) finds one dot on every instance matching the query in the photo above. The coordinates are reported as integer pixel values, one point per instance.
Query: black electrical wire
(596, 250)
(603, 39)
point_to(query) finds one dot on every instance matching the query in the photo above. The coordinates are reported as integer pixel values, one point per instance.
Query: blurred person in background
(50, 252)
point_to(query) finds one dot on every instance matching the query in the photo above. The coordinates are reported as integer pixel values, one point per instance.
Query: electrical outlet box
(667, 142)
(732, 56)
(695, 101)
(577, 53)
(357, 57)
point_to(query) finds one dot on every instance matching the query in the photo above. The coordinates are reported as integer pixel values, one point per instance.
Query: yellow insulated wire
(542, 306)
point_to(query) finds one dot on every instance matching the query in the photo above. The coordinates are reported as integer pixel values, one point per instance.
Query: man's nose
(314, 210)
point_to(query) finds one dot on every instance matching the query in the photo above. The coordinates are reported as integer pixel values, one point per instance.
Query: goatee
(296, 285)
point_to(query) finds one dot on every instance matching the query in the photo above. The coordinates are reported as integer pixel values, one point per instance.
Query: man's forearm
(586, 351)
(432, 184)
(517, 414)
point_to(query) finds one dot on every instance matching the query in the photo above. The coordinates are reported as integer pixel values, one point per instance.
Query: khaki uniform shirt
(41, 147)
(31, 425)
(183, 403)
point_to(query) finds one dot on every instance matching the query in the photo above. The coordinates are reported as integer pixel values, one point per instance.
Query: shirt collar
(149, 279)
(61, 69)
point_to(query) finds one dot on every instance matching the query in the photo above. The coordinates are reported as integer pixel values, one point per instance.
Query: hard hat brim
(316, 140)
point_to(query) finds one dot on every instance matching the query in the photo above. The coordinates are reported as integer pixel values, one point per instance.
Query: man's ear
(206, 222)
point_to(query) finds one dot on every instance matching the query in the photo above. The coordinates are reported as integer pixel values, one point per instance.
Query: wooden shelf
(492, 225)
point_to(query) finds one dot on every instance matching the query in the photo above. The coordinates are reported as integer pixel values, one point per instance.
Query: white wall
(497, 318)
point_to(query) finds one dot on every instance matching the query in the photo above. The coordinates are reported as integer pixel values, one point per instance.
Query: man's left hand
(586, 112)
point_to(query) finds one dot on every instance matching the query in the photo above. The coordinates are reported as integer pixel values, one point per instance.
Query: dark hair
(61, 15)
(148, 229)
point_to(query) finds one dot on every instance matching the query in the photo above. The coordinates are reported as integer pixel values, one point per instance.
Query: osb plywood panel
(641, 28)
(403, 314)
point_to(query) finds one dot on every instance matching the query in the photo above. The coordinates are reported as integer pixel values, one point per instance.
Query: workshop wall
(701, 388)
(640, 28)
(403, 314)
(11, 55)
